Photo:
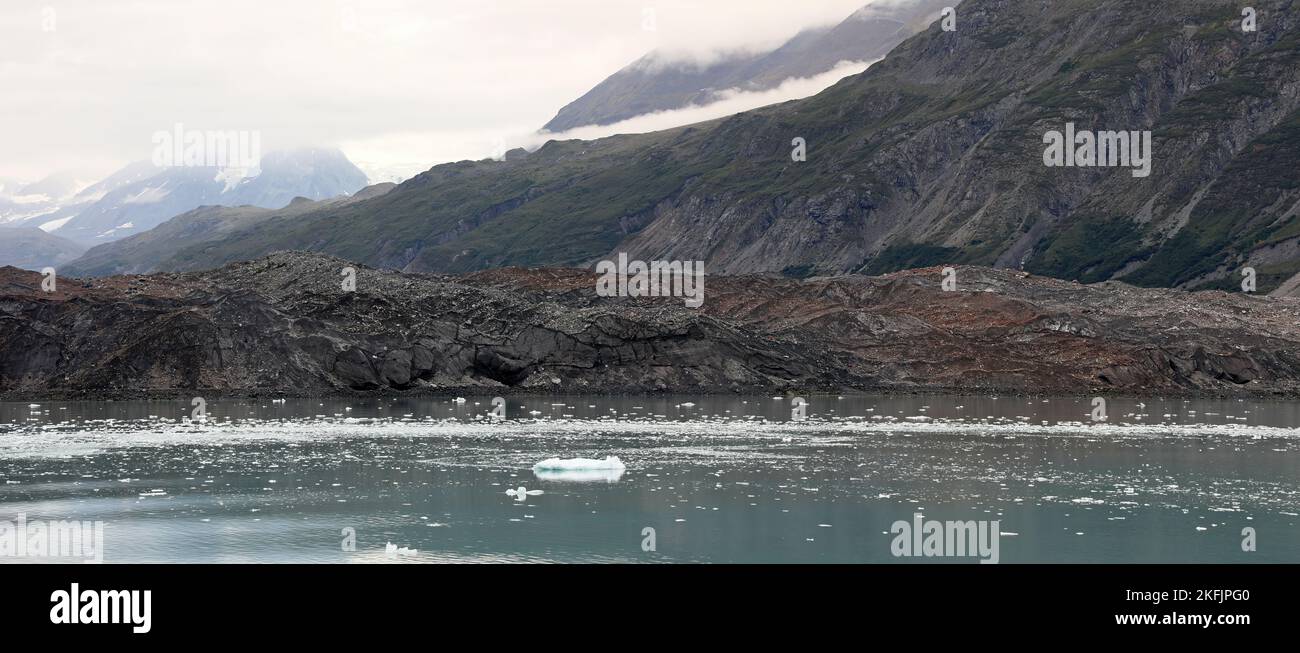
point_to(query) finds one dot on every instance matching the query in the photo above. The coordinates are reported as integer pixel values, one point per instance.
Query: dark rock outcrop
(284, 325)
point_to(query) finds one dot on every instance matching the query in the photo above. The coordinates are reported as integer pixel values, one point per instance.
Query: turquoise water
(718, 479)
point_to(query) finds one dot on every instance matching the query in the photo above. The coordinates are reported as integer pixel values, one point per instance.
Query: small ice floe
(688, 404)
(534, 413)
(153, 493)
(392, 550)
(580, 470)
(610, 462)
(459, 400)
(523, 493)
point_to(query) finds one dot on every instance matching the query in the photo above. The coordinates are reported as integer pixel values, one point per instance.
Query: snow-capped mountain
(141, 196)
(52, 201)
(20, 201)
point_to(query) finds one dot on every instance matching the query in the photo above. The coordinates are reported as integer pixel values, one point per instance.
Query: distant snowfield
(151, 195)
(53, 225)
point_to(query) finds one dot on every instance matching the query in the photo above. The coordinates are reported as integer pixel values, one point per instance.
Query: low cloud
(733, 101)
(395, 157)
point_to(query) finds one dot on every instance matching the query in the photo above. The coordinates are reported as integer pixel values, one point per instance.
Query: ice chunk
(569, 464)
(523, 493)
(580, 470)
(392, 550)
(579, 475)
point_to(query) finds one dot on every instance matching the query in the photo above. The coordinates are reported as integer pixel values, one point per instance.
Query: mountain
(315, 174)
(55, 186)
(51, 212)
(22, 203)
(32, 249)
(933, 155)
(148, 251)
(9, 186)
(284, 325)
(135, 201)
(658, 82)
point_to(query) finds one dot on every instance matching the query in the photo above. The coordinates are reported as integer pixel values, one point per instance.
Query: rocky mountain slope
(934, 155)
(657, 82)
(149, 251)
(284, 325)
(33, 249)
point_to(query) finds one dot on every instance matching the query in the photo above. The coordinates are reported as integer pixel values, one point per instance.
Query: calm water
(722, 480)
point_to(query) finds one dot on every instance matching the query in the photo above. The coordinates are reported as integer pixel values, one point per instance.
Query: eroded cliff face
(284, 325)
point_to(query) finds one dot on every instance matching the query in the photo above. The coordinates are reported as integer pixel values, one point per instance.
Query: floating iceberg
(576, 464)
(579, 475)
(580, 470)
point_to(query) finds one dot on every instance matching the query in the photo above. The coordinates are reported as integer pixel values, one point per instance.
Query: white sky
(398, 84)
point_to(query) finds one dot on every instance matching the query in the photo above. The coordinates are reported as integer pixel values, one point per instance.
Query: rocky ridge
(282, 325)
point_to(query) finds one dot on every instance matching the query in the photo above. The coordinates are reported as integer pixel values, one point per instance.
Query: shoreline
(471, 391)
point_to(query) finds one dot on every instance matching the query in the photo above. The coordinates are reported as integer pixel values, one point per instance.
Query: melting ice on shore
(580, 470)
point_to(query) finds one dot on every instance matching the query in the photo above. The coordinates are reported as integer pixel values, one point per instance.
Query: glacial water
(718, 479)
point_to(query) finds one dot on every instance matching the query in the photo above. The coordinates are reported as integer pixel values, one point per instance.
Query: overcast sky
(398, 84)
